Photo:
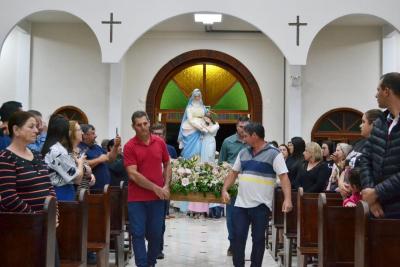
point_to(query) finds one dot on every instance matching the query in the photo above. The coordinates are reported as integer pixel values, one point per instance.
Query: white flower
(185, 181)
(188, 171)
(181, 171)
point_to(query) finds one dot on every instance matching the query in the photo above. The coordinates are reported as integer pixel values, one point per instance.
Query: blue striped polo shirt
(257, 176)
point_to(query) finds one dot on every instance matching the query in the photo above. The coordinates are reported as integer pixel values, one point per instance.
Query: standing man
(229, 150)
(96, 156)
(257, 168)
(380, 159)
(149, 170)
(159, 130)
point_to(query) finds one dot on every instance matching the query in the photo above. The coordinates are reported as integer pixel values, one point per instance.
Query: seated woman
(64, 169)
(339, 157)
(313, 175)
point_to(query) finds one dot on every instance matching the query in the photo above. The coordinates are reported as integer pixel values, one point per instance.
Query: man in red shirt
(147, 163)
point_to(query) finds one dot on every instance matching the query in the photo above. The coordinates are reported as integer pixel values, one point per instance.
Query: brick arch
(226, 61)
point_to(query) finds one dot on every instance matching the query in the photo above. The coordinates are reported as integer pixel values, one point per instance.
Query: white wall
(147, 56)
(15, 65)
(343, 70)
(67, 70)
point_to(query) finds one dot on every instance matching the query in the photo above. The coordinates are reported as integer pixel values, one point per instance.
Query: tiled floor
(199, 242)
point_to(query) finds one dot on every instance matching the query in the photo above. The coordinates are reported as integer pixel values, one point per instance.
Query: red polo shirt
(148, 159)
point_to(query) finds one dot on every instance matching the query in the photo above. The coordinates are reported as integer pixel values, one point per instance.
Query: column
(115, 97)
(293, 101)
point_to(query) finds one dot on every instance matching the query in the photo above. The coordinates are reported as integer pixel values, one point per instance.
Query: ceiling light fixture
(207, 19)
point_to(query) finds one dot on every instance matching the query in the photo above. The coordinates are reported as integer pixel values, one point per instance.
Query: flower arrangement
(192, 176)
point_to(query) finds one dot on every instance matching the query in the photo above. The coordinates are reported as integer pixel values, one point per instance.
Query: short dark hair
(8, 108)
(158, 126)
(86, 127)
(243, 119)
(18, 119)
(255, 127)
(391, 80)
(110, 144)
(139, 114)
(274, 143)
(35, 113)
(372, 115)
(354, 177)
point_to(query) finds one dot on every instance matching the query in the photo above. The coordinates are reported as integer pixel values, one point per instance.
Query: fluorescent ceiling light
(207, 18)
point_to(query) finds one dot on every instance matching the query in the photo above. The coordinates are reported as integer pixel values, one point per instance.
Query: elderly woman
(339, 157)
(24, 178)
(313, 175)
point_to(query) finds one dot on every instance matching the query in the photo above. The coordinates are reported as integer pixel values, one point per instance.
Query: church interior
(301, 68)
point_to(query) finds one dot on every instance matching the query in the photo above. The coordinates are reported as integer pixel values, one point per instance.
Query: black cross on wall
(111, 22)
(297, 24)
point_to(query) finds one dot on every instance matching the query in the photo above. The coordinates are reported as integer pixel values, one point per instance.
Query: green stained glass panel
(234, 99)
(173, 97)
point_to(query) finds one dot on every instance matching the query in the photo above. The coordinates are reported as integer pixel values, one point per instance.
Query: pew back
(99, 216)
(335, 232)
(377, 240)
(73, 228)
(28, 239)
(277, 214)
(117, 207)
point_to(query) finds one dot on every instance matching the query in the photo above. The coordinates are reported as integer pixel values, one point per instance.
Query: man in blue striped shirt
(257, 168)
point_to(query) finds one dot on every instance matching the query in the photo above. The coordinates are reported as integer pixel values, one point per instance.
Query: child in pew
(355, 185)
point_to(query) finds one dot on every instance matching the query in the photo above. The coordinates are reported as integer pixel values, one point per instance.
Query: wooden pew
(289, 232)
(29, 239)
(335, 232)
(277, 221)
(73, 230)
(307, 224)
(99, 225)
(127, 235)
(117, 210)
(377, 240)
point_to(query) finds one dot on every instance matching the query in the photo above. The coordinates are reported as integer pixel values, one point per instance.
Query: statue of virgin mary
(192, 126)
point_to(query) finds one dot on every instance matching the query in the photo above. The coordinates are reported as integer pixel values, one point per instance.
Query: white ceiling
(185, 23)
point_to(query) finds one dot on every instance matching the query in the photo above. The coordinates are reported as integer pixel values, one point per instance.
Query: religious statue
(192, 126)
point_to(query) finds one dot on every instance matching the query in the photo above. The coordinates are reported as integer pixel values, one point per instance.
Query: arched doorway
(228, 88)
(338, 125)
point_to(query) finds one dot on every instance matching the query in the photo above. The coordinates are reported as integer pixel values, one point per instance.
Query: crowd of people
(59, 158)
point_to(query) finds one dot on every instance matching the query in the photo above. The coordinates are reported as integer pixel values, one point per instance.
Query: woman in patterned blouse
(65, 170)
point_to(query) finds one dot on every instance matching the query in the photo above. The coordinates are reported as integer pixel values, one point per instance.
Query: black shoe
(160, 256)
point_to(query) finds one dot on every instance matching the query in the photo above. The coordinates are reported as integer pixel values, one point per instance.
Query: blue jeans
(229, 219)
(146, 220)
(258, 218)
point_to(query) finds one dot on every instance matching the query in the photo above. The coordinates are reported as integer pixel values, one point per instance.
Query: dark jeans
(216, 212)
(258, 219)
(166, 206)
(229, 219)
(146, 219)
